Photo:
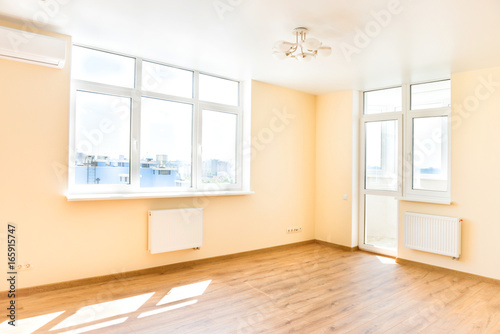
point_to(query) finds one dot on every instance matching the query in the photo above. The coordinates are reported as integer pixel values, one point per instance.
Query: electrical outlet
(24, 266)
(293, 229)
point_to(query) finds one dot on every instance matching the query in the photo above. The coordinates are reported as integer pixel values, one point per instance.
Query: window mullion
(239, 151)
(406, 143)
(196, 160)
(135, 137)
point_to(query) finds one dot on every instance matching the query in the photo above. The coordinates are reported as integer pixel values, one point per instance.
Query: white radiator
(434, 234)
(171, 230)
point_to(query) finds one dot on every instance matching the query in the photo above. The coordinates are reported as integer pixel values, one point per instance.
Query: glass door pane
(381, 185)
(381, 155)
(381, 220)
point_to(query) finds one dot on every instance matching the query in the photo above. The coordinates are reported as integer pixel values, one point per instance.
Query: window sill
(444, 201)
(99, 197)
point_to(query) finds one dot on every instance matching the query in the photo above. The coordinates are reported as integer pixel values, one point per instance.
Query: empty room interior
(249, 166)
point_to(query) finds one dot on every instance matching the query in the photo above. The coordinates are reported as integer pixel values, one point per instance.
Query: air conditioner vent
(32, 48)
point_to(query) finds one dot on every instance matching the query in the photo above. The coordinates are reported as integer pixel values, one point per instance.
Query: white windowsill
(444, 201)
(98, 197)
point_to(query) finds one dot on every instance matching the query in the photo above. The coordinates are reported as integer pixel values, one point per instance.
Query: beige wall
(474, 183)
(336, 169)
(72, 240)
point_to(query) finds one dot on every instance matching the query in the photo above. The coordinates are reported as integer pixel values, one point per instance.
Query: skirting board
(342, 247)
(174, 266)
(446, 270)
(147, 271)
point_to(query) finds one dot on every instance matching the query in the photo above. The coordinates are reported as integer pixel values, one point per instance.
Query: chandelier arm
(293, 49)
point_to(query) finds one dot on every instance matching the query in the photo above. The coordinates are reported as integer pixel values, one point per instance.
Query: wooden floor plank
(310, 288)
(480, 314)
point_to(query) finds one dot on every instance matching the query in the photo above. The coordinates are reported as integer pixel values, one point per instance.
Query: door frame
(398, 116)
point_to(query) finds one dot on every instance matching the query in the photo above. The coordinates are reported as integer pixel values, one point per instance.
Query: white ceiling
(421, 40)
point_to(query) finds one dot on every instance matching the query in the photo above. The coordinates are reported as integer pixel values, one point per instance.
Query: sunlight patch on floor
(184, 292)
(29, 325)
(386, 260)
(96, 326)
(104, 310)
(166, 309)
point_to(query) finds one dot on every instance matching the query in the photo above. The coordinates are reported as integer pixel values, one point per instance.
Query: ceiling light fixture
(303, 49)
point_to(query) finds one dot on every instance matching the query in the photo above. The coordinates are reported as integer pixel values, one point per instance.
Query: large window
(140, 127)
(407, 141)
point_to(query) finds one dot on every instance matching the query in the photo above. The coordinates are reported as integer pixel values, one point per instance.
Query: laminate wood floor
(308, 289)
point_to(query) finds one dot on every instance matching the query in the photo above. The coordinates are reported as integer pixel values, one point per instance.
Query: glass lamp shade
(309, 56)
(311, 44)
(279, 55)
(324, 51)
(282, 46)
(304, 57)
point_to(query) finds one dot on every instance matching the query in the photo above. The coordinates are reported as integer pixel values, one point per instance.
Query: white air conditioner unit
(32, 48)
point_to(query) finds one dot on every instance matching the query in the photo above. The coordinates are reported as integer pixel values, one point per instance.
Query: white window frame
(420, 195)
(405, 118)
(133, 189)
(239, 147)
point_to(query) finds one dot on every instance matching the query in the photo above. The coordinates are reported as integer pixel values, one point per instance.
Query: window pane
(219, 90)
(219, 147)
(167, 80)
(381, 220)
(430, 153)
(102, 67)
(102, 139)
(166, 132)
(384, 100)
(431, 95)
(381, 157)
